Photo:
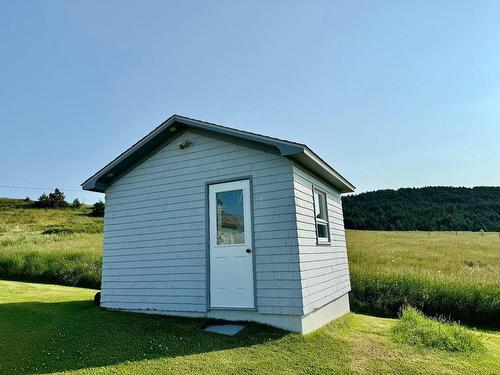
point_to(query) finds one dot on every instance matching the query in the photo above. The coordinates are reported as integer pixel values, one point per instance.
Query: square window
(322, 231)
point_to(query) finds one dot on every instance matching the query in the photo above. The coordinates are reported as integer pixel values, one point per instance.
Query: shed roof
(168, 130)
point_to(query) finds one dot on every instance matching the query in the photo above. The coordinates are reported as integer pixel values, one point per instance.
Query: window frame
(321, 240)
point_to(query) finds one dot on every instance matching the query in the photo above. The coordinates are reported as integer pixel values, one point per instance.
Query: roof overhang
(175, 125)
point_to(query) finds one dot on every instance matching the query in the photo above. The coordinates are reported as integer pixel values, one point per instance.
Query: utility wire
(38, 188)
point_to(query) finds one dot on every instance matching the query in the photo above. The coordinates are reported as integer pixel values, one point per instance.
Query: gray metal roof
(170, 129)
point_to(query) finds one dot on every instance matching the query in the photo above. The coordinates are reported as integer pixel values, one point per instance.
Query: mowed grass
(455, 275)
(71, 255)
(51, 329)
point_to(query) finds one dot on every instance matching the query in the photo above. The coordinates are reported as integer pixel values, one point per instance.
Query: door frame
(207, 240)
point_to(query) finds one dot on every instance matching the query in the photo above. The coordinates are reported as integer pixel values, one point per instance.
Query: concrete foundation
(295, 323)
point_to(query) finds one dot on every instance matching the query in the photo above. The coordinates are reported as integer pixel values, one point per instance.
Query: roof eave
(293, 150)
(89, 184)
(317, 165)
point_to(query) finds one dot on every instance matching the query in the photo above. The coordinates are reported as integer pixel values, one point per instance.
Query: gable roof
(170, 129)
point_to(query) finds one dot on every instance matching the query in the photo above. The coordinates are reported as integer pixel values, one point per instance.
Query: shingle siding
(323, 268)
(155, 228)
(155, 231)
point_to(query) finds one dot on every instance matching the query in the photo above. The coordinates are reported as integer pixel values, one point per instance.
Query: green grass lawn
(48, 328)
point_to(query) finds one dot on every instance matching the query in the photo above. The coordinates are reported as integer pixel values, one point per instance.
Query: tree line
(57, 199)
(437, 208)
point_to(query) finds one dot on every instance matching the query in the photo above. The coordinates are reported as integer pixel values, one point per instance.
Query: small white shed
(203, 220)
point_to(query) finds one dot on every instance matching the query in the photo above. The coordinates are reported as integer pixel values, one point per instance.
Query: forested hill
(428, 208)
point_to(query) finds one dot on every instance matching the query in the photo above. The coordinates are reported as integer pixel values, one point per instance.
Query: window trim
(321, 240)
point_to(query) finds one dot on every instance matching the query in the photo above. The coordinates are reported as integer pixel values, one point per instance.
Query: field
(49, 328)
(445, 256)
(453, 274)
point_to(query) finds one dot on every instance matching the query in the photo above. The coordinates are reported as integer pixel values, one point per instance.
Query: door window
(230, 217)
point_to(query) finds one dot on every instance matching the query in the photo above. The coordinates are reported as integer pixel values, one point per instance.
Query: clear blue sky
(392, 94)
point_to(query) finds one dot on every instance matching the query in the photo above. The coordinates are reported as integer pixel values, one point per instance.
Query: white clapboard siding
(155, 228)
(324, 269)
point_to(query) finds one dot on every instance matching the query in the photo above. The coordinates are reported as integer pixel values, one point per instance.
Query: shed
(203, 220)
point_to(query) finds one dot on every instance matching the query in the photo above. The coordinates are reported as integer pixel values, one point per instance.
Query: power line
(38, 188)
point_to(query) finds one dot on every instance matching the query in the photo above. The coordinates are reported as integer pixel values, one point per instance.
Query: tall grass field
(455, 275)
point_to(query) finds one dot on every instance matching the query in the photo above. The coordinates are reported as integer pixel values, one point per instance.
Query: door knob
(248, 251)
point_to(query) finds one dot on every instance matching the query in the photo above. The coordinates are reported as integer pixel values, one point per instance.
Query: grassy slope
(47, 328)
(27, 254)
(21, 228)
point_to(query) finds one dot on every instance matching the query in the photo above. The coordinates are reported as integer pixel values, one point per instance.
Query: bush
(76, 203)
(53, 200)
(43, 201)
(95, 227)
(98, 209)
(57, 229)
(413, 328)
(386, 294)
(57, 199)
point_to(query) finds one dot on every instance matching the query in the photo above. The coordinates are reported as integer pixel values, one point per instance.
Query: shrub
(57, 229)
(76, 203)
(386, 294)
(57, 199)
(53, 200)
(43, 201)
(413, 328)
(98, 209)
(95, 227)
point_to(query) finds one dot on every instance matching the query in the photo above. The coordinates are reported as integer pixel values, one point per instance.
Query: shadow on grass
(48, 337)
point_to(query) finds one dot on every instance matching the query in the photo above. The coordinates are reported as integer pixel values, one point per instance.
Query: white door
(231, 261)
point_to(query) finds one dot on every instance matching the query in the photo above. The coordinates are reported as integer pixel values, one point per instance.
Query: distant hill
(428, 209)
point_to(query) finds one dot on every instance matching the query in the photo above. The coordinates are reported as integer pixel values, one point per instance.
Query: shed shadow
(42, 337)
